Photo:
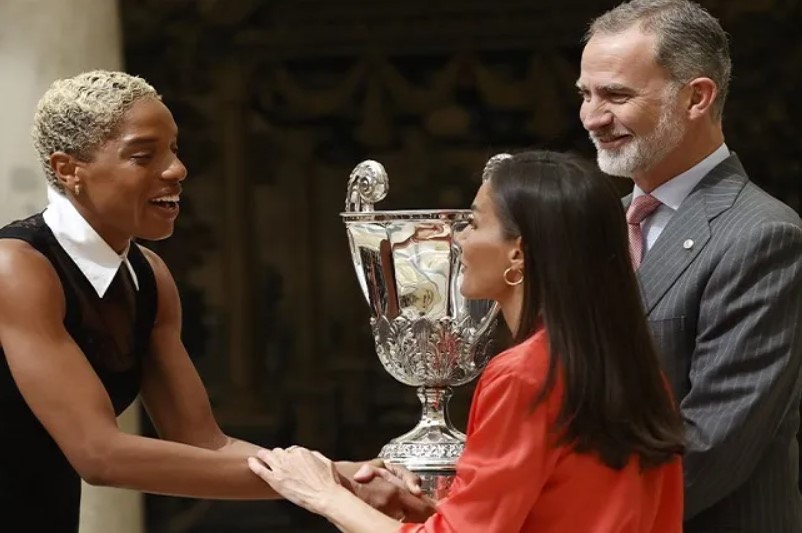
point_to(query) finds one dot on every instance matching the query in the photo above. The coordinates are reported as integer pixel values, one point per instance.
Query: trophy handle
(367, 185)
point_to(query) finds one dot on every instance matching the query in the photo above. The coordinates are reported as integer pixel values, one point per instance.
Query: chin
(467, 293)
(155, 234)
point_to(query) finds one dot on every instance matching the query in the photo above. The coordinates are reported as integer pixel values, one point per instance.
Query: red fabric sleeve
(506, 461)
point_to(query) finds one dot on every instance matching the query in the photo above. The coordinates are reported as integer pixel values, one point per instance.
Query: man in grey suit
(719, 260)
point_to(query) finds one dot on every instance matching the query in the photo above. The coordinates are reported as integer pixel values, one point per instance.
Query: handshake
(312, 481)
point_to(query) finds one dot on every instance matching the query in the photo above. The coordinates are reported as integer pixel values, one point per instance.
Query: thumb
(365, 473)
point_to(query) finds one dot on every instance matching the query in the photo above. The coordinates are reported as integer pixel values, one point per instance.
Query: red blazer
(513, 478)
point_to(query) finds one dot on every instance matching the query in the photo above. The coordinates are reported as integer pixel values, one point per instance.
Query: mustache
(607, 135)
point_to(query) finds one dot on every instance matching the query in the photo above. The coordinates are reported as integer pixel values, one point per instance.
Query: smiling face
(130, 187)
(487, 253)
(630, 106)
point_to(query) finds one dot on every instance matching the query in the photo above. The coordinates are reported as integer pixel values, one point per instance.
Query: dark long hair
(579, 282)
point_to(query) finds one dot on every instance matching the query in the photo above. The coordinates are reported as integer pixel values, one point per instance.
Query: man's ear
(65, 167)
(704, 92)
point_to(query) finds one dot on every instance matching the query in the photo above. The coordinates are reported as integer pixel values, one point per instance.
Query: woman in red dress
(571, 430)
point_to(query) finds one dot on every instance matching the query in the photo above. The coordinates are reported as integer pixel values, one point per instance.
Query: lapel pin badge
(688, 244)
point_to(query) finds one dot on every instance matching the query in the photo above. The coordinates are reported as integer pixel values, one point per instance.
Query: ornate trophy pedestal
(432, 447)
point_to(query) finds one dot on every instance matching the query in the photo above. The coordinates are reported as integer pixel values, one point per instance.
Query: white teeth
(171, 198)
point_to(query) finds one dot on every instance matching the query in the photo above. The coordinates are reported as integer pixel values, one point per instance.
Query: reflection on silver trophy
(427, 335)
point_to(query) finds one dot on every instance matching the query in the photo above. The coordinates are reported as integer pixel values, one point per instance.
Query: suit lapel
(688, 231)
(673, 251)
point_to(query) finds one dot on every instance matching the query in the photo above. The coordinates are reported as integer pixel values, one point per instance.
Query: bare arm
(64, 393)
(178, 405)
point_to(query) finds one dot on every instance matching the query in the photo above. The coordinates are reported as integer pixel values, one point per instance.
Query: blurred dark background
(278, 100)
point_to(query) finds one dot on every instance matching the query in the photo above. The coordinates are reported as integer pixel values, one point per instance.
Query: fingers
(278, 459)
(369, 470)
(378, 463)
(390, 477)
(266, 455)
(392, 473)
(275, 462)
(273, 455)
(365, 473)
(258, 468)
(368, 473)
(411, 479)
(416, 508)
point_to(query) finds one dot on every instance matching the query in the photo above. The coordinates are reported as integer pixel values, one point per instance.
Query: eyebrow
(475, 207)
(145, 140)
(608, 88)
(136, 141)
(615, 88)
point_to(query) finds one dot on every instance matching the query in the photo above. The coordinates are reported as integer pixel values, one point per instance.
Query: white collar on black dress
(91, 254)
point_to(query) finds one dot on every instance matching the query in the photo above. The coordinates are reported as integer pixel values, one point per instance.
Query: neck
(511, 308)
(696, 145)
(114, 238)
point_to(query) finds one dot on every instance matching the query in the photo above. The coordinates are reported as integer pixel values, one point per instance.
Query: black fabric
(39, 489)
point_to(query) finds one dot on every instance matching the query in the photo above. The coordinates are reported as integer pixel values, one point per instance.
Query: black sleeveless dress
(39, 490)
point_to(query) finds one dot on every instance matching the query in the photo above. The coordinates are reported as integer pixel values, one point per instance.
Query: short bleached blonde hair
(77, 115)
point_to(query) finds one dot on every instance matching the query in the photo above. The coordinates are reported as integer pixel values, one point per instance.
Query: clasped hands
(308, 479)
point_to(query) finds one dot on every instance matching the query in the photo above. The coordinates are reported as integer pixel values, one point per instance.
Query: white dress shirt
(93, 256)
(673, 192)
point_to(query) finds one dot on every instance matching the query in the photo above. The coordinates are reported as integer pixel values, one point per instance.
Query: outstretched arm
(65, 394)
(177, 403)
(194, 459)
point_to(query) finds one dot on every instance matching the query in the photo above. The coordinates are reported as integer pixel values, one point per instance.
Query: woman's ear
(516, 255)
(65, 168)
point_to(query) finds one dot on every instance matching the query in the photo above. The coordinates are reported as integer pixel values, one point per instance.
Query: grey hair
(690, 41)
(77, 115)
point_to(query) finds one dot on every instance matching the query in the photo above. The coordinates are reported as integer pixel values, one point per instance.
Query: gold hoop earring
(512, 283)
(77, 189)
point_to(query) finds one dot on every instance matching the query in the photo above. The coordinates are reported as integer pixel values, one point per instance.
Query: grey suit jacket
(722, 287)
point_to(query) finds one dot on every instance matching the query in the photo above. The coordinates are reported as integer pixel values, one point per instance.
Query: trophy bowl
(427, 335)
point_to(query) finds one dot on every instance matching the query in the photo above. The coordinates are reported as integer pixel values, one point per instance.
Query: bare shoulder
(27, 279)
(164, 278)
(168, 309)
(156, 262)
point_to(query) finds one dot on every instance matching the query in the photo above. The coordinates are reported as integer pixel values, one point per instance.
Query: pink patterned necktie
(640, 208)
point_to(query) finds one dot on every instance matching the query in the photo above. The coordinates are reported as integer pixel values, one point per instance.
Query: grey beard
(642, 154)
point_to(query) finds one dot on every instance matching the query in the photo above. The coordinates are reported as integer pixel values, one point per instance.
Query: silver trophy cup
(427, 335)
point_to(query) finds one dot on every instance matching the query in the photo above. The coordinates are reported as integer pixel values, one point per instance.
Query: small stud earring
(77, 189)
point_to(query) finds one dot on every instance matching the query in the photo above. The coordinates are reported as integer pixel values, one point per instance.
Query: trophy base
(436, 484)
(423, 456)
(431, 449)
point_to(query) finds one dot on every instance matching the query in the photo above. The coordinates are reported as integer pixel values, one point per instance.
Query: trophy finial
(367, 185)
(492, 163)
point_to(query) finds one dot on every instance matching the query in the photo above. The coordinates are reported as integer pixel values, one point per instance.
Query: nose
(593, 116)
(176, 171)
